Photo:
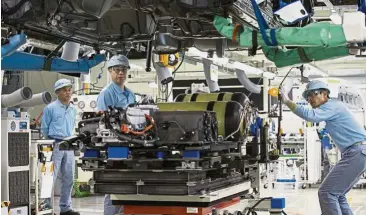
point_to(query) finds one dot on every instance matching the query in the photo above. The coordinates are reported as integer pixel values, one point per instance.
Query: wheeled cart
(41, 177)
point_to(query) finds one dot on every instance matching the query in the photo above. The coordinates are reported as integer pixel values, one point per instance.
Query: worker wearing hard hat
(348, 136)
(116, 94)
(58, 121)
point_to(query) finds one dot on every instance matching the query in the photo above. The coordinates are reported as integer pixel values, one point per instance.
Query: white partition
(313, 152)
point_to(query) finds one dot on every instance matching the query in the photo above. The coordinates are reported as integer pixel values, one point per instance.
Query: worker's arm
(320, 114)
(46, 120)
(290, 104)
(325, 112)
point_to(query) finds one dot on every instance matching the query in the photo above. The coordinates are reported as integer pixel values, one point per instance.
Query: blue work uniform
(350, 139)
(114, 96)
(58, 122)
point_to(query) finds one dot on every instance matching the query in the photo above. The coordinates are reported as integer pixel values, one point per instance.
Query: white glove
(284, 94)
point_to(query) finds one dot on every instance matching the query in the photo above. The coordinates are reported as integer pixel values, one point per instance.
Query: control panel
(18, 125)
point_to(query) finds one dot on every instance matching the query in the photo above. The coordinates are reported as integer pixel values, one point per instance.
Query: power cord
(162, 91)
(260, 79)
(299, 67)
(173, 73)
(99, 76)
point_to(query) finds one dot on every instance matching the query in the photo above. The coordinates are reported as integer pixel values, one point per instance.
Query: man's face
(317, 98)
(64, 94)
(118, 74)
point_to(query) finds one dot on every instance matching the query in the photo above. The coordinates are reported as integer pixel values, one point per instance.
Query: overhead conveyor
(22, 61)
(13, 60)
(293, 45)
(12, 44)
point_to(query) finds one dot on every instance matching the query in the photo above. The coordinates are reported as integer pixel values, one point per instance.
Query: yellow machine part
(168, 60)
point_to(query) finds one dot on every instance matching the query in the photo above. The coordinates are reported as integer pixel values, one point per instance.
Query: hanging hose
(244, 80)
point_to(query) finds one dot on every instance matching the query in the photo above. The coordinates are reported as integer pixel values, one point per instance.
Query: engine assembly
(179, 148)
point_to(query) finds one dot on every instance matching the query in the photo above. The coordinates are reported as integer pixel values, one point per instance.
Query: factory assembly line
(200, 153)
(177, 156)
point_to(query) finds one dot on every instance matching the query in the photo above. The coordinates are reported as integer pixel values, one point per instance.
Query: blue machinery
(13, 44)
(12, 60)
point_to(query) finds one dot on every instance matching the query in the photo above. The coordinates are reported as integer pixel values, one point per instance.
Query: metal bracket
(49, 58)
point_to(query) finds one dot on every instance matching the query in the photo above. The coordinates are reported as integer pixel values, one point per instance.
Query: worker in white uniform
(348, 136)
(58, 121)
(115, 94)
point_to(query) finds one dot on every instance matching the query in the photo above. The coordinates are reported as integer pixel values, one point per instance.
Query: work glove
(284, 93)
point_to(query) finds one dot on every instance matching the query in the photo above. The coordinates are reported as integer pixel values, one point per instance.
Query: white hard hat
(118, 60)
(62, 83)
(315, 85)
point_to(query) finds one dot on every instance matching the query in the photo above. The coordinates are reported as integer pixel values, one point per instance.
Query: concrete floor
(298, 201)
